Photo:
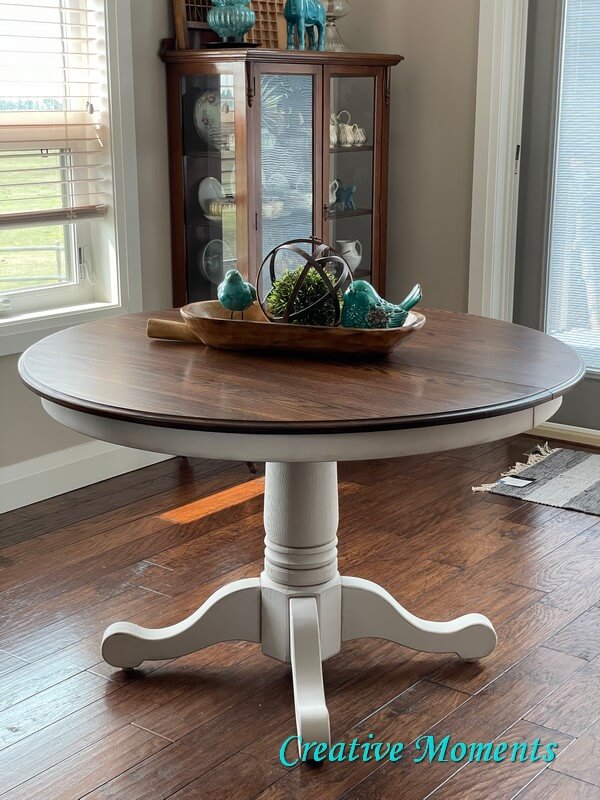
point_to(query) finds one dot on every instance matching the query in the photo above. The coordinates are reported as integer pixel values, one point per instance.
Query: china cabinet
(270, 145)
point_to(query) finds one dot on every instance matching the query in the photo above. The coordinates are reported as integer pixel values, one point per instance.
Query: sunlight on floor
(228, 498)
(215, 502)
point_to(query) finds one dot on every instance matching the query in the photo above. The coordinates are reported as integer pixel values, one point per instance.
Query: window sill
(17, 333)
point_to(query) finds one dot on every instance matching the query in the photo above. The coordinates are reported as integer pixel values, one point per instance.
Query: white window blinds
(573, 301)
(53, 124)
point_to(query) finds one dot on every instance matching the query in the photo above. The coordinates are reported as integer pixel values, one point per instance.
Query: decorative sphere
(302, 282)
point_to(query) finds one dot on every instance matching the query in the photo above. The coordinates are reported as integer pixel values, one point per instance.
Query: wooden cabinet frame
(380, 159)
(247, 67)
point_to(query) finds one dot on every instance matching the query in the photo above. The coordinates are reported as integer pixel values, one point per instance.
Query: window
(573, 292)
(55, 166)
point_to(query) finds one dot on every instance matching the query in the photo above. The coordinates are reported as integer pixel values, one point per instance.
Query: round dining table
(462, 380)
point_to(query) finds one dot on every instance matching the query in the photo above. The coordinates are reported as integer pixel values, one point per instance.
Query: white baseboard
(56, 473)
(568, 433)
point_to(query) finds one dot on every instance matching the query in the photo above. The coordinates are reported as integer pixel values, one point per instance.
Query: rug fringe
(539, 453)
(485, 487)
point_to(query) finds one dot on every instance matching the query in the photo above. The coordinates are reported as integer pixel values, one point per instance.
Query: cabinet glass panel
(209, 164)
(286, 129)
(350, 191)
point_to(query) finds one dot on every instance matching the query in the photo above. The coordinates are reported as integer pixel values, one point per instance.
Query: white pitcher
(351, 252)
(333, 187)
(360, 135)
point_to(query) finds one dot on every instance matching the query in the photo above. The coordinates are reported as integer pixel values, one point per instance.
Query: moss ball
(312, 290)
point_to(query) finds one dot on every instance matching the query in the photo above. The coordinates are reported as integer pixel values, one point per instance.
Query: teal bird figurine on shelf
(236, 294)
(364, 308)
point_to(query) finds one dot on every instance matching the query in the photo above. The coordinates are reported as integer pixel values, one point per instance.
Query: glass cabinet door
(287, 197)
(209, 108)
(349, 202)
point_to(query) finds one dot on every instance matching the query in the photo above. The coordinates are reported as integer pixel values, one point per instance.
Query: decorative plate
(208, 117)
(215, 256)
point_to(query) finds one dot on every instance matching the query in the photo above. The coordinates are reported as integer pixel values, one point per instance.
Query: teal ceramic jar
(231, 19)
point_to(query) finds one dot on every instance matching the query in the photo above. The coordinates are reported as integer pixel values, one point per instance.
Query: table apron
(302, 447)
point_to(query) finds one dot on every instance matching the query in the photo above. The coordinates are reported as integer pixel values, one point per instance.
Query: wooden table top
(457, 368)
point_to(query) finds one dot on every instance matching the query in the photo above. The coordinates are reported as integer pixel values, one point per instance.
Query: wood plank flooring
(152, 545)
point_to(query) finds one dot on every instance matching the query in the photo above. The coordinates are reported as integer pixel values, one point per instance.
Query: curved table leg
(230, 614)
(370, 611)
(312, 717)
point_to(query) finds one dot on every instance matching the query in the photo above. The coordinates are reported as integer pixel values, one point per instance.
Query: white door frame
(498, 123)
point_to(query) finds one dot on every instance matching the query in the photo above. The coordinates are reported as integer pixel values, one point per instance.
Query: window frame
(592, 372)
(112, 240)
(27, 295)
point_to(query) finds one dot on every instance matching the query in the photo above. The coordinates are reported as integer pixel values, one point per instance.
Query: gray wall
(26, 431)
(430, 181)
(433, 123)
(149, 27)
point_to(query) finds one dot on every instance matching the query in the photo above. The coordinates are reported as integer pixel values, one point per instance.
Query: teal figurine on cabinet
(231, 19)
(364, 308)
(236, 294)
(302, 17)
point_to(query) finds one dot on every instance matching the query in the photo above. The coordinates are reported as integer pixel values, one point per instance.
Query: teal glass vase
(231, 19)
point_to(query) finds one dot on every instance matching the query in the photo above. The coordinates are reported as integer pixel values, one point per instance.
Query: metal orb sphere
(333, 269)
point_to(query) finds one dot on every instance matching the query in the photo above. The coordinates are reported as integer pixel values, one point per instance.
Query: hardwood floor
(150, 546)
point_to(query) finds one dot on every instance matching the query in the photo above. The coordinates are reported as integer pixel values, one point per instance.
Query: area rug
(553, 477)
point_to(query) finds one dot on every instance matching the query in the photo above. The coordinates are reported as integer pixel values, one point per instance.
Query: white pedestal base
(300, 610)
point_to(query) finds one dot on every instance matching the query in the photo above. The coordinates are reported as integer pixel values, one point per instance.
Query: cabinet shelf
(360, 212)
(363, 148)
(221, 155)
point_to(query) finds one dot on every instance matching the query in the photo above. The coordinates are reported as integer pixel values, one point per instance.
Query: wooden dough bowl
(212, 325)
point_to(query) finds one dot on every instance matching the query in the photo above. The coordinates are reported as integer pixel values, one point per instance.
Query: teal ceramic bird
(236, 294)
(364, 308)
